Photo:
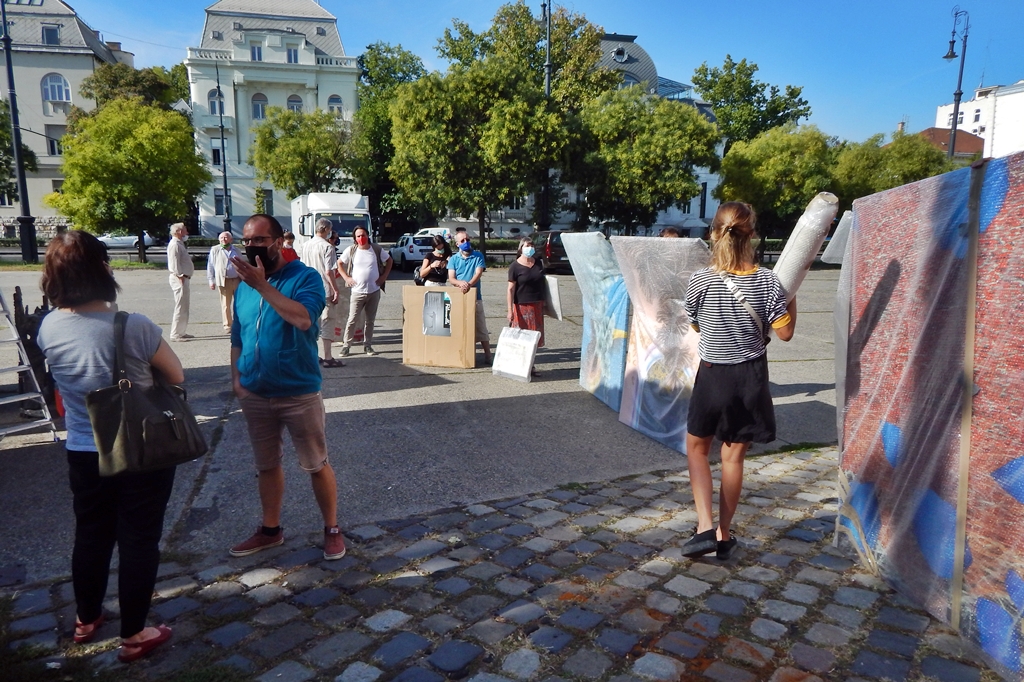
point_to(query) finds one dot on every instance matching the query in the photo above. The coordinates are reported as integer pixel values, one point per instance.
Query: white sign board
(517, 348)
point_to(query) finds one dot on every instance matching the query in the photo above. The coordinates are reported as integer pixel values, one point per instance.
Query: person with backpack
(365, 267)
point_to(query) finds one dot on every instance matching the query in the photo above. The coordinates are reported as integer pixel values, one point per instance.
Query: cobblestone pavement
(583, 582)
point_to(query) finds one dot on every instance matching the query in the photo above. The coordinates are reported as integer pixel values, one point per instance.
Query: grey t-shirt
(79, 348)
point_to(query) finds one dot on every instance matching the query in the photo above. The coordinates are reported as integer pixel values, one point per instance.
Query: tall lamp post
(544, 215)
(223, 150)
(950, 56)
(27, 224)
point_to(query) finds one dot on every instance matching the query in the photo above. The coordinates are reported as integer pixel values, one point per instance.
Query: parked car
(551, 252)
(431, 231)
(409, 251)
(127, 241)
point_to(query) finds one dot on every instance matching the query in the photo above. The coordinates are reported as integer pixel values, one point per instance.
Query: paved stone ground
(584, 582)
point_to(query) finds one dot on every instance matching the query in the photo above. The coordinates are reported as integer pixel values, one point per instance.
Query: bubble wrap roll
(808, 236)
(833, 253)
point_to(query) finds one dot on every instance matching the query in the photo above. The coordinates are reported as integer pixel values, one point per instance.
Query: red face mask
(362, 240)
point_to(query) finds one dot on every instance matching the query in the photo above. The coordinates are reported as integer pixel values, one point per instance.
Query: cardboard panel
(431, 339)
(605, 315)
(662, 359)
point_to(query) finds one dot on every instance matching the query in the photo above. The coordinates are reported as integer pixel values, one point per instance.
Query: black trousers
(127, 509)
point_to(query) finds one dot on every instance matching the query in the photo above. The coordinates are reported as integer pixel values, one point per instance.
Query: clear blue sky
(864, 64)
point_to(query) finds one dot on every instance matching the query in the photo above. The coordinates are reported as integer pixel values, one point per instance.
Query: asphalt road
(402, 439)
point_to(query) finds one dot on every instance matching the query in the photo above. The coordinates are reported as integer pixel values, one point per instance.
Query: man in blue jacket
(276, 376)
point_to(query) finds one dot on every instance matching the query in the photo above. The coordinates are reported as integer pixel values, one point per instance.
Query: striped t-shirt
(728, 334)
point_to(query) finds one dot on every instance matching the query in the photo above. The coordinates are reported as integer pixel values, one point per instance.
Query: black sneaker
(701, 544)
(725, 548)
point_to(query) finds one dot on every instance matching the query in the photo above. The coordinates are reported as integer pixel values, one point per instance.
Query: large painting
(933, 475)
(605, 314)
(661, 361)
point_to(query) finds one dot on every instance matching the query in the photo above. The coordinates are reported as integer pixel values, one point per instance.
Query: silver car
(127, 241)
(409, 251)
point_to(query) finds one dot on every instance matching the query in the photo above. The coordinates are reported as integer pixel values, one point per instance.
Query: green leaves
(745, 107)
(301, 152)
(129, 166)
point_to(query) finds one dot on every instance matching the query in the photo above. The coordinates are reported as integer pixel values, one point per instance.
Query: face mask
(438, 252)
(184, 237)
(362, 240)
(465, 246)
(529, 251)
(262, 251)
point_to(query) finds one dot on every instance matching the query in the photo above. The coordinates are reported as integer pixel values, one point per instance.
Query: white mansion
(284, 53)
(996, 114)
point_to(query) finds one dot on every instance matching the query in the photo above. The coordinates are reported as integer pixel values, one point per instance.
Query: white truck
(345, 210)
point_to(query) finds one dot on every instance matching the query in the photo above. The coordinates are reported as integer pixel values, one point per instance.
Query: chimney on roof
(901, 127)
(114, 47)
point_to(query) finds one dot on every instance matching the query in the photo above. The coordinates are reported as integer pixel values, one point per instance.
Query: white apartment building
(284, 53)
(53, 51)
(996, 114)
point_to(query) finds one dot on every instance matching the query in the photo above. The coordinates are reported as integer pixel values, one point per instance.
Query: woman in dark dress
(434, 269)
(527, 289)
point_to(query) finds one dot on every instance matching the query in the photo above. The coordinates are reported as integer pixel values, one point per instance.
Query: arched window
(294, 103)
(56, 88)
(334, 105)
(216, 102)
(259, 107)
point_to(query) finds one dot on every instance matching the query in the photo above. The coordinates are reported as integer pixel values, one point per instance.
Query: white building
(53, 51)
(996, 114)
(284, 53)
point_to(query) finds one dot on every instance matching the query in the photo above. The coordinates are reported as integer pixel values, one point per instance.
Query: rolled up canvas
(808, 236)
(833, 253)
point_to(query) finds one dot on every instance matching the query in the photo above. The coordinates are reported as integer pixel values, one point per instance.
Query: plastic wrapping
(836, 247)
(605, 315)
(932, 476)
(662, 359)
(803, 245)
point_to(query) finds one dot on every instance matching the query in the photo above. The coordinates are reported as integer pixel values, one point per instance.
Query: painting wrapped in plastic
(803, 245)
(932, 476)
(605, 315)
(662, 359)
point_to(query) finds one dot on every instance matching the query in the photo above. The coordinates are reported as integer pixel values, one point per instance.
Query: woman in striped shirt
(732, 304)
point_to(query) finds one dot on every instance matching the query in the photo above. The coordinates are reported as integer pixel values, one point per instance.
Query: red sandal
(133, 652)
(81, 635)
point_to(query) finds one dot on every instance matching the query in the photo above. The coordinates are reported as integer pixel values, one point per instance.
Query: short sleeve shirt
(530, 282)
(466, 266)
(362, 267)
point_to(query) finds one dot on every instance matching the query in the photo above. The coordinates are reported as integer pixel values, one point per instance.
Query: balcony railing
(350, 62)
(208, 53)
(207, 121)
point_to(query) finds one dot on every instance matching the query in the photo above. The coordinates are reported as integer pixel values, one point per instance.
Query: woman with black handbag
(127, 509)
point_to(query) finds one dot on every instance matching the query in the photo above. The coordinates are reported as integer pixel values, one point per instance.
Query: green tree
(385, 67)
(639, 156)
(778, 172)
(120, 81)
(872, 166)
(8, 171)
(745, 107)
(301, 152)
(178, 79)
(515, 35)
(129, 167)
(474, 138)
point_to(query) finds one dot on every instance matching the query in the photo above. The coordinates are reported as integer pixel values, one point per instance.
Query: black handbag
(417, 278)
(137, 429)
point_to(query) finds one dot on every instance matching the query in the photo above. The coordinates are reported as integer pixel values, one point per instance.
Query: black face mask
(262, 251)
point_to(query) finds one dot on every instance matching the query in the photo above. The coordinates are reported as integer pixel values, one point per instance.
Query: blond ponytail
(732, 232)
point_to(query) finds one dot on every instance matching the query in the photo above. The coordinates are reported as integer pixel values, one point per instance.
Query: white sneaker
(369, 350)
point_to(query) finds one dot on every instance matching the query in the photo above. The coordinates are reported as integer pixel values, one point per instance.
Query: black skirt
(732, 403)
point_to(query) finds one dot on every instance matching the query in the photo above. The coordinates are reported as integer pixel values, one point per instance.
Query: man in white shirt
(222, 276)
(318, 253)
(365, 267)
(179, 263)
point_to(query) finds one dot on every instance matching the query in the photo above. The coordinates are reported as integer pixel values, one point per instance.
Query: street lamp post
(544, 215)
(951, 55)
(27, 224)
(223, 150)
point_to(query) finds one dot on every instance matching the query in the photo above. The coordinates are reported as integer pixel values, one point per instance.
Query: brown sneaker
(257, 542)
(334, 544)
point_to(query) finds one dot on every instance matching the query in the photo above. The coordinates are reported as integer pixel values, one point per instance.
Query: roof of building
(296, 17)
(27, 18)
(967, 144)
(619, 52)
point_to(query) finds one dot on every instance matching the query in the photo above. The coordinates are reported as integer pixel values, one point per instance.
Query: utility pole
(544, 215)
(26, 223)
(223, 149)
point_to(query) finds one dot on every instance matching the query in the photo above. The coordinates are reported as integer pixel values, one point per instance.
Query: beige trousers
(227, 301)
(179, 319)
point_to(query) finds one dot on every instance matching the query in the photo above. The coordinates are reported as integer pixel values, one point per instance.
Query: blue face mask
(465, 246)
(529, 251)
